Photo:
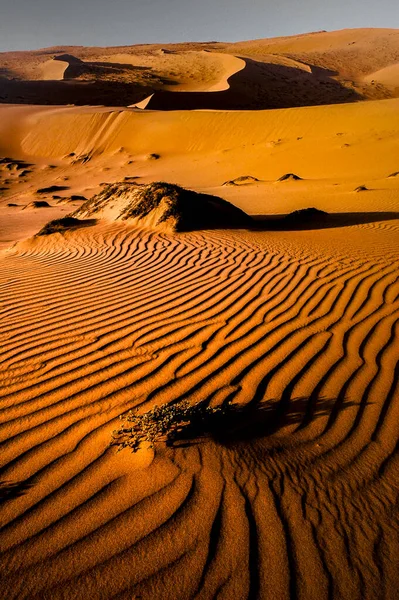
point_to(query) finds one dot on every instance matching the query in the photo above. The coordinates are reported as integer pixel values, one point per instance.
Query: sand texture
(289, 318)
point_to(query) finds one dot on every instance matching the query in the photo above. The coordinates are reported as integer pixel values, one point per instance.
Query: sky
(32, 24)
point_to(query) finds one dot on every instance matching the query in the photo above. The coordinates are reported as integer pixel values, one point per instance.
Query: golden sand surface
(299, 327)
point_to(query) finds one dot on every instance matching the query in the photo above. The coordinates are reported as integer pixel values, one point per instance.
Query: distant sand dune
(388, 76)
(276, 84)
(190, 71)
(301, 70)
(53, 70)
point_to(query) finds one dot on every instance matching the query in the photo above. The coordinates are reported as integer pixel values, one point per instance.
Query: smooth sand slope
(295, 497)
(53, 70)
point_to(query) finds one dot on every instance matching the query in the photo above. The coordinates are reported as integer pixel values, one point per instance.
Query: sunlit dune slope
(72, 152)
(343, 141)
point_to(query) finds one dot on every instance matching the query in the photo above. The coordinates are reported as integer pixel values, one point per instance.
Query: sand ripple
(300, 502)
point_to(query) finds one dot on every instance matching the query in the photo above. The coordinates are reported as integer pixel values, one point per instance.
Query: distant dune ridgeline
(304, 70)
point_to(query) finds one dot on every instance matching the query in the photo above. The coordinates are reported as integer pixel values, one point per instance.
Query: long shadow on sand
(239, 423)
(13, 489)
(313, 219)
(302, 220)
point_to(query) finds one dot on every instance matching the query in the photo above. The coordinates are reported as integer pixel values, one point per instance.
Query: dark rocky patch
(82, 159)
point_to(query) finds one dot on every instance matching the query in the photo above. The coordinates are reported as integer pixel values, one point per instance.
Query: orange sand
(300, 501)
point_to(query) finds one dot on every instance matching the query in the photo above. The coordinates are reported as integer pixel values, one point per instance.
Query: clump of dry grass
(63, 224)
(181, 209)
(165, 424)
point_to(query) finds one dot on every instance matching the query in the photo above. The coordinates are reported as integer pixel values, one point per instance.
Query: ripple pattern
(300, 502)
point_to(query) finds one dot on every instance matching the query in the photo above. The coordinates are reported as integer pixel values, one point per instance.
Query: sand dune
(54, 70)
(289, 320)
(342, 141)
(186, 71)
(388, 76)
(257, 86)
(310, 69)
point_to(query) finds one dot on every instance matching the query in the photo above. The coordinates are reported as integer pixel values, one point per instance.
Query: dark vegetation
(13, 164)
(167, 423)
(187, 210)
(289, 177)
(181, 424)
(243, 180)
(52, 188)
(38, 204)
(61, 225)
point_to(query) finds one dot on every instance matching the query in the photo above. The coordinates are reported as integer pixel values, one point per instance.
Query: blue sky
(31, 24)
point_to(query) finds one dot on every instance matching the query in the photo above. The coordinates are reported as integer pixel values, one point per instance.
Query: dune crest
(53, 70)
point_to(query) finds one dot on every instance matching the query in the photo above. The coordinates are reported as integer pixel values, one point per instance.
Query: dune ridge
(310, 69)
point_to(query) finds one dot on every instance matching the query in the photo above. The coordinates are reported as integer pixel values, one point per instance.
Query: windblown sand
(301, 326)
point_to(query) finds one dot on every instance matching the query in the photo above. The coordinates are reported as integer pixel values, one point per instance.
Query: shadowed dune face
(301, 485)
(260, 86)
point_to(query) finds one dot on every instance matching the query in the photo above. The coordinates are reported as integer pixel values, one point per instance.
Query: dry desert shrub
(166, 423)
(59, 225)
